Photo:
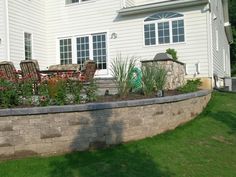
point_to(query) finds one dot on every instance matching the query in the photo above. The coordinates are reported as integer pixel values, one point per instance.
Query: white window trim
(79, 3)
(32, 44)
(170, 29)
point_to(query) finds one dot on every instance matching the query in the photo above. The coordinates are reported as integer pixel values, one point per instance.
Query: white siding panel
(130, 3)
(195, 49)
(3, 35)
(78, 19)
(101, 16)
(218, 55)
(27, 16)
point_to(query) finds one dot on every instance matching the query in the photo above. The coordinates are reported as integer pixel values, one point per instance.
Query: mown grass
(205, 147)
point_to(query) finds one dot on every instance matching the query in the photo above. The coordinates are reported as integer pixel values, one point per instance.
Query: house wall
(194, 50)
(220, 45)
(78, 19)
(61, 23)
(27, 16)
(3, 35)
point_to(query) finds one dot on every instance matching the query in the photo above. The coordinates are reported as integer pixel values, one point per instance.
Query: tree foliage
(232, 15)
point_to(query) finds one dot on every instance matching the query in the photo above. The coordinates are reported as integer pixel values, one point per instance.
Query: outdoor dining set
(31, 68)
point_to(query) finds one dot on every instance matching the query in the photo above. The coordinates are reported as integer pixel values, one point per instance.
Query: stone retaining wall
(175, 72)
(59, 129)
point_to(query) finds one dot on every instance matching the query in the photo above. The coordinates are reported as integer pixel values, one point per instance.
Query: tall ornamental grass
(121, 70)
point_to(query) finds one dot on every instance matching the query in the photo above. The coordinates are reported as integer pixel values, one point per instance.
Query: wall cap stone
(175, 61)
(100, 106)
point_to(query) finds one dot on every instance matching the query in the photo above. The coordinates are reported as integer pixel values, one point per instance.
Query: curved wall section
(59, 129)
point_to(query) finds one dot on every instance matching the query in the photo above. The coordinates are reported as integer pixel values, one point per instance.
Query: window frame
(74, 48)
(79, 2)
(59, 46)
(31, 44)
(170, 20)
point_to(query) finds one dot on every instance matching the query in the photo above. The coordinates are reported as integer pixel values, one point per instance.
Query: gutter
(160, 6)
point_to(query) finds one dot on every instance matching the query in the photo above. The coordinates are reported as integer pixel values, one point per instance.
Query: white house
(70, 31)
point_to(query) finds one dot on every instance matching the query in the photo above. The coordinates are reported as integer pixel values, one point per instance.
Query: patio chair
(8, 70)
(30, 68)
(88, 71)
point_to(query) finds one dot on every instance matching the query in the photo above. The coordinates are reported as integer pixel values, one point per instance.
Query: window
(65, 51)
(163, 33)
(92, 47)
(75, 1)
(99, 50)
(28, 46)
(150, 34)
(164, 28)
(178, 31)
(82, 49)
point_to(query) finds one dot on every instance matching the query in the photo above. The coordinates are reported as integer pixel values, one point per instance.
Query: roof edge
(159, 6)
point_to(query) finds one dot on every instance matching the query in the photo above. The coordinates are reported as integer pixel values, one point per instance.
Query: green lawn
(205, 147)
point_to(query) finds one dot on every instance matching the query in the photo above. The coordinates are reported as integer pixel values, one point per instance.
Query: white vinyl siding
(3, 32)
(74, 21)
(27, 16)
(220, 47)
(193, 50)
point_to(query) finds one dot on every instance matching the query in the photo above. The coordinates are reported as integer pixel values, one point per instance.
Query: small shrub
(57, 90)
(173, 53)
(121, 70)
(190, 86)
(8, 93)
(91, 90)
(74, 91)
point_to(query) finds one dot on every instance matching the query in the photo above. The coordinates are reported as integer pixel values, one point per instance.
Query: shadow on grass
(103, 131)
(115, 162)
(228, 118)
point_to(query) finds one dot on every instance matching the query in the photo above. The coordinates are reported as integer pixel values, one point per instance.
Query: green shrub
(233, 70)
(173, 53)
(154, 78)
(8, 93)
(74, 90)
(91, 90)
(121, 70)
(190, 86)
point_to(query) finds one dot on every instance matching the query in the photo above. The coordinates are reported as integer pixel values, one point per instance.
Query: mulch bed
(133, 96)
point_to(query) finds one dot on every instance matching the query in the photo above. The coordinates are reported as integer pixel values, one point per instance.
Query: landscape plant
(173, 53)
(121, 70)
(160, 77)
(8, 93)
(190, 86)
(148, 72)
(154, 78)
